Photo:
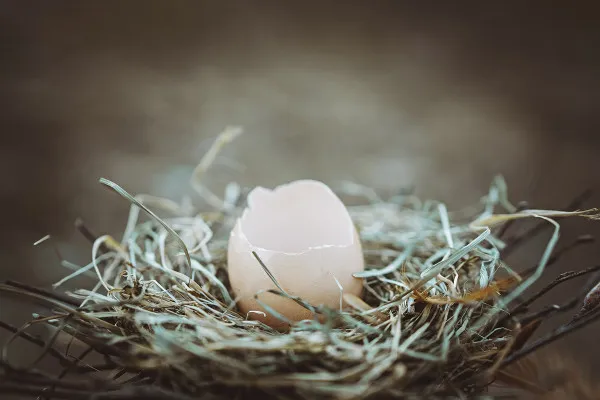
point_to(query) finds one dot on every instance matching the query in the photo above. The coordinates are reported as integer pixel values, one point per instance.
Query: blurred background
(389, 94)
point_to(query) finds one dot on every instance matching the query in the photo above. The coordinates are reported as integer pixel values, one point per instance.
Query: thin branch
(91, 237)
(142, 393)
(546, 312)
(555, 308)
(514, 243)
(565, 276)
(64, 361)
(591, 301)
(42, 292)
(36, 377)
(579, 241)
(555, 335)
(31, 390)
(71, 367)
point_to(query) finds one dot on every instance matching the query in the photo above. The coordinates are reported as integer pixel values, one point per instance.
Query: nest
(443, 314)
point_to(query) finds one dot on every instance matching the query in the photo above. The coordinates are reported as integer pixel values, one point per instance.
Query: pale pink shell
(305, 236)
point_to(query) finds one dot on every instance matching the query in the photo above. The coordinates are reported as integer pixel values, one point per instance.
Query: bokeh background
(442, 96)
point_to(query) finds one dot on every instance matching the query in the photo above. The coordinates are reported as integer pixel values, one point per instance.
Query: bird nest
(442, 314)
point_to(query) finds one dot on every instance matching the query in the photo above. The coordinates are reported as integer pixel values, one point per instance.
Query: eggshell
(304, 234)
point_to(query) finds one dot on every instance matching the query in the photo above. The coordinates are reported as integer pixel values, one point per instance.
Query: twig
(522, 307)
(565, 276)
(590, 301)
(69, 368)
(84, 230)
(35, 377)
(546, 311)
(525, 331)
(579, 241)
(20, 388)
(519, 240)
(555, 335)
(141, 393)
(568, 305)
(64, 361)
(42, 292)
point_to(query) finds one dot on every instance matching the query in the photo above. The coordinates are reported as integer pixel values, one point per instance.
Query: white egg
(304, 235)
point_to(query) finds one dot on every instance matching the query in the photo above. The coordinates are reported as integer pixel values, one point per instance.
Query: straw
(440, 313)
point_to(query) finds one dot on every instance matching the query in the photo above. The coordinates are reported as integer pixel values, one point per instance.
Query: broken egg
(306, 238)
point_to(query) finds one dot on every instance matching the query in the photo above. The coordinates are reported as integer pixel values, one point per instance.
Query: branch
(553, 336)
(514, 243)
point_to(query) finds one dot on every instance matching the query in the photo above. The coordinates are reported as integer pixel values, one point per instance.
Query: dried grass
(443, 313)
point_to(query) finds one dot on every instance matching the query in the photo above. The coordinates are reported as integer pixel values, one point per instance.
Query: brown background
(381, 92)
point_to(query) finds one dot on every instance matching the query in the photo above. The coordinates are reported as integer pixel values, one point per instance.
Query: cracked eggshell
(304, 234)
